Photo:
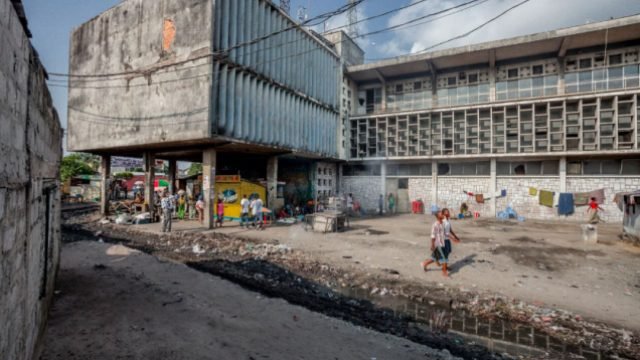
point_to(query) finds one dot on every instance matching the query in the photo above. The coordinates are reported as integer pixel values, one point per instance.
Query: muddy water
(516, 340)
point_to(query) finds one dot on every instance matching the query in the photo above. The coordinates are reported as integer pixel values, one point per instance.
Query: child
(437, 245)
(448, 233)
(220, 212)
(592, 211)
(200, 209)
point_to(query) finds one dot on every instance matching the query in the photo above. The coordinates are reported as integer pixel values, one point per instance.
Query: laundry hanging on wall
(546, 198)
(565, 204)
(533, 191)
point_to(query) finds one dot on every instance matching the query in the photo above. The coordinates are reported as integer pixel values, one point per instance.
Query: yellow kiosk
(231, 189)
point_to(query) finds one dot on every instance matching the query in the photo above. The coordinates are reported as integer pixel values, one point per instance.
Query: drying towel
(533, 191)
(598, 194)
(556, 199)
(565, 204)
(480, 198)
(581, 199)
(503, 192)
(546, 198)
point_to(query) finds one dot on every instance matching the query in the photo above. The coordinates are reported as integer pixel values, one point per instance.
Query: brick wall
(365, 189)
(30, 151)
(611, 184)
(451, 195)
(518, 196)
(420, 188)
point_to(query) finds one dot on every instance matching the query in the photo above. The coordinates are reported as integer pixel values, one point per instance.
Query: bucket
(589, 233)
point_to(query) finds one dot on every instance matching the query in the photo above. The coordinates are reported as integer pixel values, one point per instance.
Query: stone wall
(518, 196)
(30, 151)
(420, 189)
(611, 186)
(365, 189)
(451, 193)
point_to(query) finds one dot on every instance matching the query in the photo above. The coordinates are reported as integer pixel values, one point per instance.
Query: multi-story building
(555, 111)
(239, 86)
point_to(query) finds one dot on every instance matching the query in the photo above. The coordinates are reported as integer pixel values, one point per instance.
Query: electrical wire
(441, 12)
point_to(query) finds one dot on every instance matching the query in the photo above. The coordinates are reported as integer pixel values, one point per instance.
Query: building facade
(30, 153)
(554, 111)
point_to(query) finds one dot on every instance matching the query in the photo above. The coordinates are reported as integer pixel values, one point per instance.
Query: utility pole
(285, 5)
(353, 19)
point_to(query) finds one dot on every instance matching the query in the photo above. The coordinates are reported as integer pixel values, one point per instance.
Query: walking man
(437, 245)
(167, 211)
(256, 208)
(244, 211)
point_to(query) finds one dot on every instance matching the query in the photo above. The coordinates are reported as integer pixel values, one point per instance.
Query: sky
(51, 22)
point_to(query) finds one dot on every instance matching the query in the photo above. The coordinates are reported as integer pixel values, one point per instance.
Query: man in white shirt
(167, 211)
(244, 211)
(256, 209)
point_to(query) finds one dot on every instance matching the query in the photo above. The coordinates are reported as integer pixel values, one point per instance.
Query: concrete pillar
(105, 172)
(492, 75)
(563, 174)
(272, 182)
(209, 158)
(149, 177)
(339, 180)
(434, 184)
(561, 81)
(383, 184)
(493, 188)
(171, 176)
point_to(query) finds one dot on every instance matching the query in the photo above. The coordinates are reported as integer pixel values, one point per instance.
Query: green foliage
(92, 160)
(124, 175)
(74, 165)
(194, 169)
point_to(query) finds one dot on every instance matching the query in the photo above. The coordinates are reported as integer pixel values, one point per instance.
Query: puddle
(516, 340)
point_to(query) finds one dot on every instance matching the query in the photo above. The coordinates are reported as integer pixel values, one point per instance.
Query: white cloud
(532, 17)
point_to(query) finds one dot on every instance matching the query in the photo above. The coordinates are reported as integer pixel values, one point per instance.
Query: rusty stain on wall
(168, 34)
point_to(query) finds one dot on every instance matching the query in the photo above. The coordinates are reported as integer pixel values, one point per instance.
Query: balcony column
(492, 75)
(209, 158)
(493, 188)
(149, 178)
(563, 174)
(105, 173)
(383, 184)
(434, 184)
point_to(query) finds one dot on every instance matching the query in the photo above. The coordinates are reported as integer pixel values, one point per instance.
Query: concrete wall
(30, 151)
(163, 97)
(365, 189)
(451, 195)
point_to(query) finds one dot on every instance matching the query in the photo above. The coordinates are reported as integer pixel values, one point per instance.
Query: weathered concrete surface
(163, 97)
(119, 303)
(30, 151)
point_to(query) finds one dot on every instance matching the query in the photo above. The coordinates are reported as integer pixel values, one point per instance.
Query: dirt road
(116, 303)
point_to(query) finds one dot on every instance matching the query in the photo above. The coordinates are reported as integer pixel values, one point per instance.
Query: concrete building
(238, 86)
(186, 80)
(555, 111)
(30, 153)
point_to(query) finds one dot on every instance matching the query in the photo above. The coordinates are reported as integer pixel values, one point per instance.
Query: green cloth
(546, 198)
(581, 199)
(533, 191)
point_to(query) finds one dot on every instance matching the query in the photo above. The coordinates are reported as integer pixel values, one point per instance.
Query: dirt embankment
(276, 270)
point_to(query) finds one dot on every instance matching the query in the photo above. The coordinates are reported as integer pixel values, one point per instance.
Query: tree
(74, 165)
(124, 175)
(92, 160)
(194, 169)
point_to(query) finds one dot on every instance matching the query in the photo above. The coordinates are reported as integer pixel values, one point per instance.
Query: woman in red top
(592, 211)
(220, 212)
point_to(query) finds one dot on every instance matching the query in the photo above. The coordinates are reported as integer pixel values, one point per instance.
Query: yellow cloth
(546, 198)
(533, 191)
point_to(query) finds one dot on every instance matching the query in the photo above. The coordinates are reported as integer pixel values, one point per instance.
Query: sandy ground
(544, 263)
(116, 303)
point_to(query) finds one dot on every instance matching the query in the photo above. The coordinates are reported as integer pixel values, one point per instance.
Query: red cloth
(593, 204)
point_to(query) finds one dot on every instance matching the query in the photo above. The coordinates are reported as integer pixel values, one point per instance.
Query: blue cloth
(503, 193)
(565, 204)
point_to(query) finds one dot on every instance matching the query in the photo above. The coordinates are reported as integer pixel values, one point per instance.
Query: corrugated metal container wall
(295, 105)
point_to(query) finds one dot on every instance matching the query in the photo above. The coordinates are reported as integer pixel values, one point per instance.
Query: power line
(474, 29)
(477, 2)
(324, 16)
